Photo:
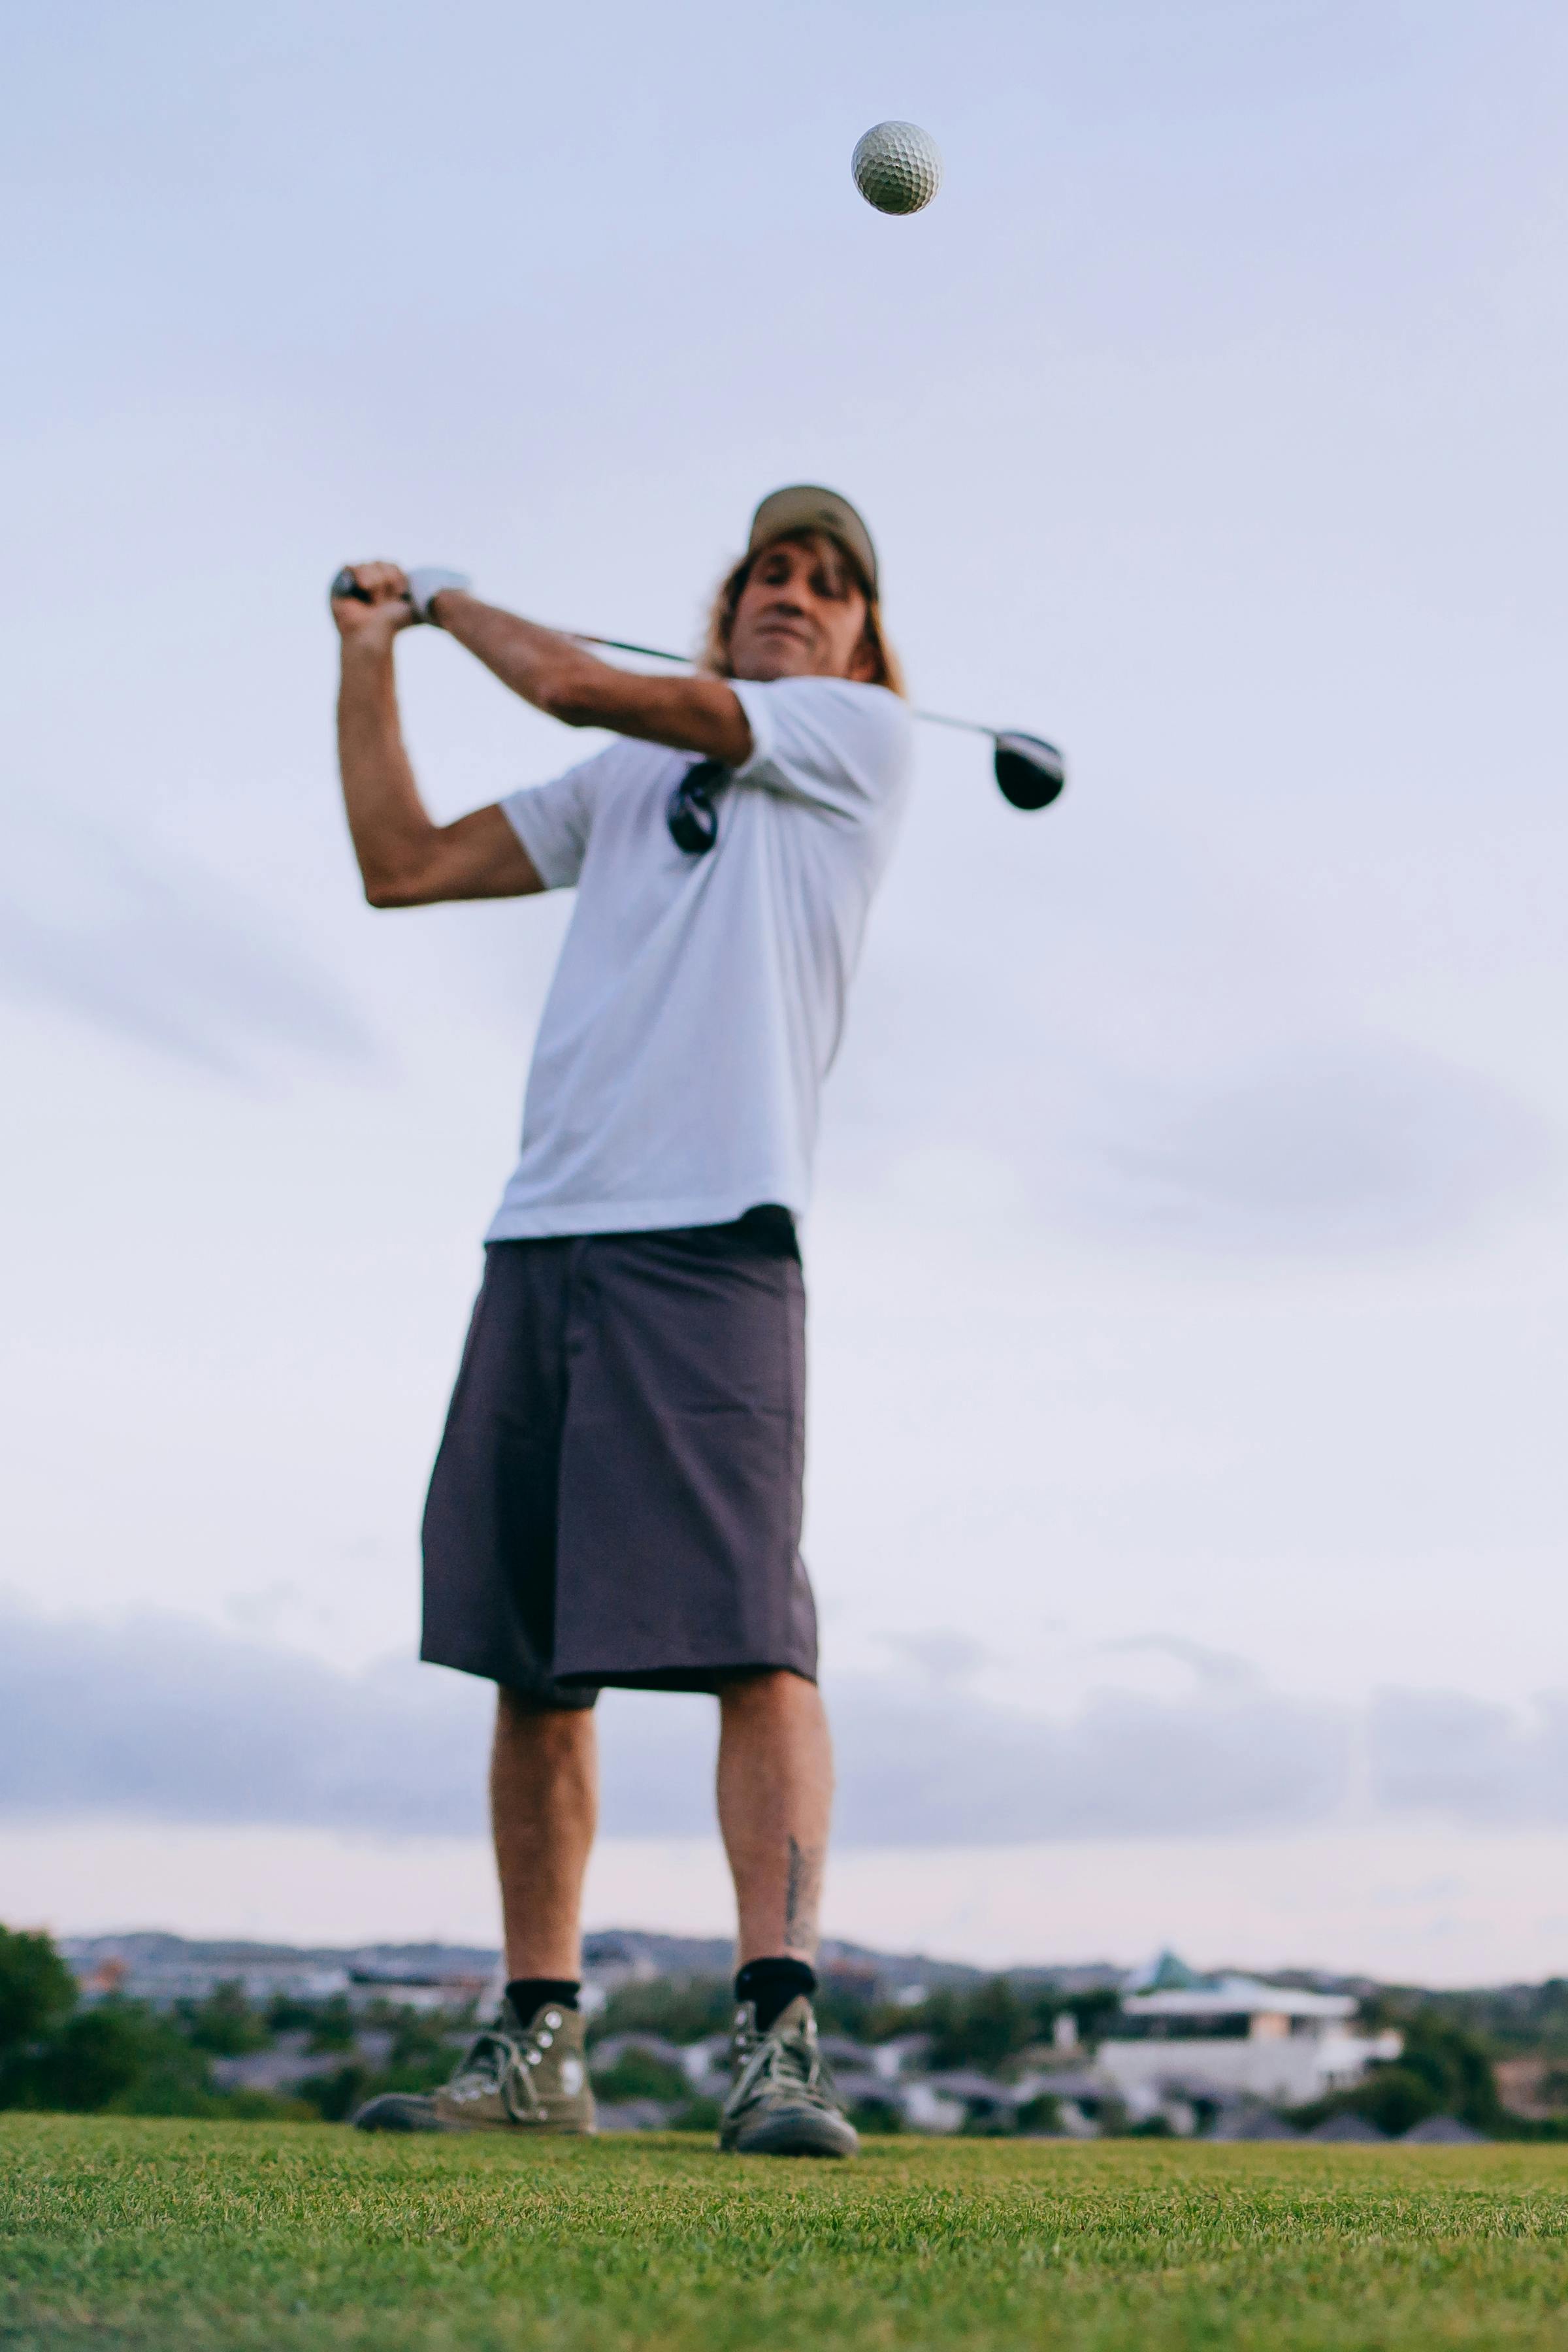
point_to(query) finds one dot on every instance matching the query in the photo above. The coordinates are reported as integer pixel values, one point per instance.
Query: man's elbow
(574, 695)
(384, 890)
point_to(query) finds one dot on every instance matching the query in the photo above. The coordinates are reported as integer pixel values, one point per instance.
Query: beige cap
(805, 506)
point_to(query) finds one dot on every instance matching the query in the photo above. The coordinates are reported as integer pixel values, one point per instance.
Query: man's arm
(559, 676)
(406, 860)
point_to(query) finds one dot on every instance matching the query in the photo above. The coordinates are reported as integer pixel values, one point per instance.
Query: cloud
(164, 1719)
(1441, 1752)
(938, 1766)
(1241, 1109)
(1364, 1146)
(146, 946)
(1217, 1671)
(947, 1657)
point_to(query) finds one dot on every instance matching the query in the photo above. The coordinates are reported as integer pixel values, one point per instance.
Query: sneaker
(783, 2103)
(523, 2076)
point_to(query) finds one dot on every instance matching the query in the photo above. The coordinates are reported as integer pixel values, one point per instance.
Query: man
(617, 1496)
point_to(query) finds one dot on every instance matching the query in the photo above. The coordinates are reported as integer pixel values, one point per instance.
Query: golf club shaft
(652, 652)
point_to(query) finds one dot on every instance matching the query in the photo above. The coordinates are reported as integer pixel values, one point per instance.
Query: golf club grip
(345, 586)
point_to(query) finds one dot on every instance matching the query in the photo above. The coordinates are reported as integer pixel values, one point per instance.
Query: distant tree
(697, 2114)
(681, 2008)
(977, 2029)
(223, 2023)
(1443, 2070)
(1393, 2097)
(120, 2056)
(1455, 2064)
(332, 2024)
(420, 2040)
(990, 2123)
(1520, 2018)
(876, 2117)
(335, 2096)
(887, 2021)
(286, 2013)
(638, 2074)
(1093, 2011)
(845, 2008)
(37, 1992)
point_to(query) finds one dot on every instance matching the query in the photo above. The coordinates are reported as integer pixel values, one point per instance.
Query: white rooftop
(1168, 1988)
(1237, 1996)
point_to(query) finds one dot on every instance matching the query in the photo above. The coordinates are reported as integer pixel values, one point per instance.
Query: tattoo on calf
(802, 1894)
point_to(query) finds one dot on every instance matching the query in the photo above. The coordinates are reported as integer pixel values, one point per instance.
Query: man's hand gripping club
(355, 584)
(405, 858)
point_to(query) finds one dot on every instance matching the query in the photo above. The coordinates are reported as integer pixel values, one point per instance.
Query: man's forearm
(388, 822)
(560, 676)
(540, 664)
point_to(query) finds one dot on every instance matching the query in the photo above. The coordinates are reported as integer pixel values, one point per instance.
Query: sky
(1185, 1492)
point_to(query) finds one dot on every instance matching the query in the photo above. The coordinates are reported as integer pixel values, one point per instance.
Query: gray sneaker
(783, 2103)
(521, 2076)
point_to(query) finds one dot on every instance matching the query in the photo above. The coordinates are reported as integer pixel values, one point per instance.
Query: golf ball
(897, 167)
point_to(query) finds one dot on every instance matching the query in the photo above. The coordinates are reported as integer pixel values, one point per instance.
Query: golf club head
(1030, 772)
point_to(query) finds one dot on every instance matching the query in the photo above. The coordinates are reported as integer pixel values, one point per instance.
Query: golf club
(1030, 772)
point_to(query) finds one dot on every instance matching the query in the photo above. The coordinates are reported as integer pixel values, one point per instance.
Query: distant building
(612, 1960)
(1220, 2038)
(426, 1991)
(161, 1969)
(100, 1979)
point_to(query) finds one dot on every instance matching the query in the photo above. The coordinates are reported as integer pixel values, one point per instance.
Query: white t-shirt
(699, 999)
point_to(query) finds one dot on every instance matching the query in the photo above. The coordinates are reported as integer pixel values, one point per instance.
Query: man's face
(802, 614)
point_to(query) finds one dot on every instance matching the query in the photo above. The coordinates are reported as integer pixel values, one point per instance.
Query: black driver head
(1030, 772)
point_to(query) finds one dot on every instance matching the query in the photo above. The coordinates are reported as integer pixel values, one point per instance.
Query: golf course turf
(117, 2233)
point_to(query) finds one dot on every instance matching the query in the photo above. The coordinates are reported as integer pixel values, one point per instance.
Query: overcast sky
(1188, 1267)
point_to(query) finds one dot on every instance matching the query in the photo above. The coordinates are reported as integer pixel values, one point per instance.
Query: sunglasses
(690, 813)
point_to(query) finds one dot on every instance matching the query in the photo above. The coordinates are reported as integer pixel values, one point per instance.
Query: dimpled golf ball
(897, 167)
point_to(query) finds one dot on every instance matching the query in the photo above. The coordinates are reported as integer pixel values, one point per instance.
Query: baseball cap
(807, 506)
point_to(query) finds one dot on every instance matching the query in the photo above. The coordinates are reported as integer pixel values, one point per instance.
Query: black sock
(773, 1985)
(529, 1994)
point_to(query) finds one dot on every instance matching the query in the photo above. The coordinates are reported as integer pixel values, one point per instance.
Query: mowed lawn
(170, 2235)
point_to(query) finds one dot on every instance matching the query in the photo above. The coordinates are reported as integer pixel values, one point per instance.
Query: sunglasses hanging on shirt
(690, 813)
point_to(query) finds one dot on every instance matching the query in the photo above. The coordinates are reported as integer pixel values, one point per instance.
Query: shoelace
(494, 2062)
(792, 2059)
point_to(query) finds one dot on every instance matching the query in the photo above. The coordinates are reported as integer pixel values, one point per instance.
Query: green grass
(297, 2238)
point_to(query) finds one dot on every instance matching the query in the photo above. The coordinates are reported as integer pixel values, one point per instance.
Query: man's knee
(771, 1694)
(551, 1730)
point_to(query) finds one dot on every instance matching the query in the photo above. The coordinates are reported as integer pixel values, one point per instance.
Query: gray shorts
(618, 1495)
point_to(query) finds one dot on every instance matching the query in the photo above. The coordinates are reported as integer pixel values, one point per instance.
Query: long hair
(714, 656)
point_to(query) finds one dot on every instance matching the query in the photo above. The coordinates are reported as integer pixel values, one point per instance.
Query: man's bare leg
(776, 1791)
(776, 1795)
(543, 1800)
(544, 1803)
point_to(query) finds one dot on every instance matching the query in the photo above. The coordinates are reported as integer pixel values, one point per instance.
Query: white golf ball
(897, 167)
